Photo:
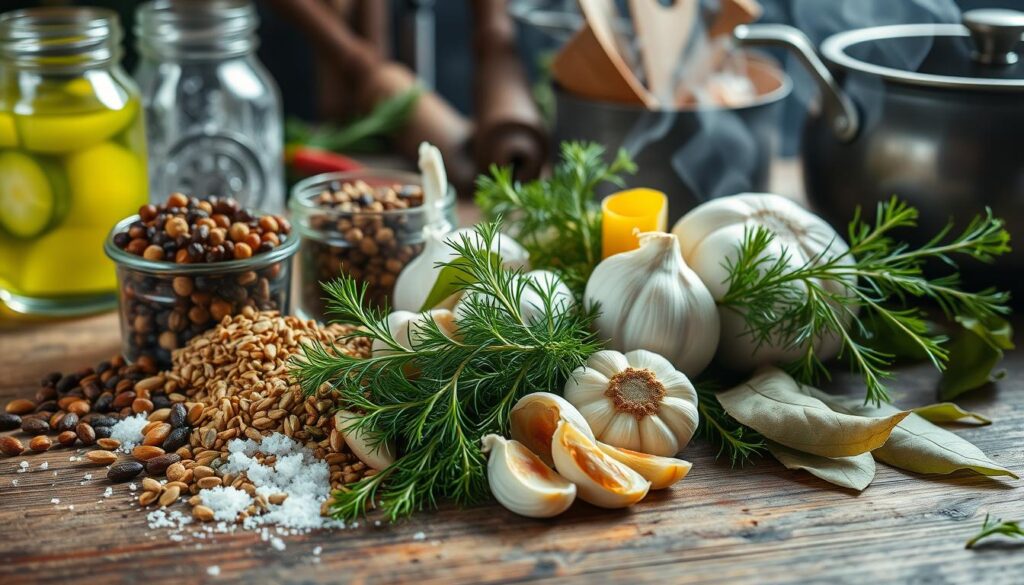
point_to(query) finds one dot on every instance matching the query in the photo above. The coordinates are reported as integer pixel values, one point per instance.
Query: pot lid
(980, 54)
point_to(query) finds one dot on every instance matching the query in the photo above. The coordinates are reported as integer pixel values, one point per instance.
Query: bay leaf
(974, 355)
(773, 404)
(854, 472)
(948, 412)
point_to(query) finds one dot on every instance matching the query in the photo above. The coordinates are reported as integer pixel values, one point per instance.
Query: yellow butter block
(626, 212)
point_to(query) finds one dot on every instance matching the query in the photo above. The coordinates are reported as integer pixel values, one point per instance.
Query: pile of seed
(364, 235)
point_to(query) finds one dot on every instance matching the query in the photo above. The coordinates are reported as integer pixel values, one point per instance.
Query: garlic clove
(531, 302)
(681, 416)
(586, 384)
(607, 362)
(600, 479)
(378, 456)
(598, 413)
(657, 438)
(535, 417)
(522, 483)
(648, 360)
(407, 328)
(662, 472)
(623, 431)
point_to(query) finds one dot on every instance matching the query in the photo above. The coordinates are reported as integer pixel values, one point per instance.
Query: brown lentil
(100, 457)
(40, 443)
(67, 438)
(11, 446)
(146, 452)
(108, 444)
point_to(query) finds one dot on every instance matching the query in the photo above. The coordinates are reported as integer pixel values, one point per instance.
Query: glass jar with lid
(72, 157)
(213, 112)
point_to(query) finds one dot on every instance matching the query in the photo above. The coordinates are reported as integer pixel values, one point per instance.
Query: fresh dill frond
(437, 400)
(878, 279)
(995, 526)
(739, 443)
(557, 219)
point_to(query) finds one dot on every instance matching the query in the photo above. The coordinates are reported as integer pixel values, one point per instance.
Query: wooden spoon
(664, 32)
(591, 64)
(732, 13)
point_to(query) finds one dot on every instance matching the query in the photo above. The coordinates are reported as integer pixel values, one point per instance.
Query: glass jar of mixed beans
(365, 224)
(186, 264)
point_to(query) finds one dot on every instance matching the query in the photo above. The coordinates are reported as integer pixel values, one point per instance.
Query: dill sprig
(879, 278)
(460, 388)
(557, 219)
(740, 443)
(994, 526)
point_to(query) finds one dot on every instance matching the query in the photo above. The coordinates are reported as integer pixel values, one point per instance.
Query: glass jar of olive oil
(72, 157)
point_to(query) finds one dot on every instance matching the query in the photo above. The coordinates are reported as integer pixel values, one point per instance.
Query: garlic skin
(636, 401)
(650, 299)
(531, 302)
(378, 456)
(418, 277)
(522, 483)
(662, 472)
(600, 479)
(713, 231)
(535, 417)
(407, 327)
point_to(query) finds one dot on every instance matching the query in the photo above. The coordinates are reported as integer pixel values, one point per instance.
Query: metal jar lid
(980, 54)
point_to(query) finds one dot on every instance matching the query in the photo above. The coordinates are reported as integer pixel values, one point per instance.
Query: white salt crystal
(277, 543)
(213, 570)
(14, 482)
(108, 492)
(22, 467)
(87, 476)
(318, 550)
(129, 431)
(44, 465)
(225, 501)
(55, 501)
(419, 536)
(132, 487)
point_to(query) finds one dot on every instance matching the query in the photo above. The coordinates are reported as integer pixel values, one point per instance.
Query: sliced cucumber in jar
(29, 201)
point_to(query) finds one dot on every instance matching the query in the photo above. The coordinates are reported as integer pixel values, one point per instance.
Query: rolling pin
(432, 120)
(509, 128)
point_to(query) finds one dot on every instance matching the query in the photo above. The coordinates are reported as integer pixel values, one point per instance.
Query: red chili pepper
(313, 161)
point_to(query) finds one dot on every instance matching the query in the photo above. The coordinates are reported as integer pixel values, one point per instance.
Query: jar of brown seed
(366, 224)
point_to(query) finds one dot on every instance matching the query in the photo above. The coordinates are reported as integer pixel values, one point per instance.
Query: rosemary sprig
(878, 278)
(557, 219)
(996, 526)
(461, 388)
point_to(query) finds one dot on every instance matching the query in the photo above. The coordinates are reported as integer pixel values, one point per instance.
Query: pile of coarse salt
(296, 473)
(129, 431)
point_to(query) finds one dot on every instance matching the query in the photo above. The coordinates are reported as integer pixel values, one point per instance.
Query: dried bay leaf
(773, 404)
(854, 472)
(948, 412)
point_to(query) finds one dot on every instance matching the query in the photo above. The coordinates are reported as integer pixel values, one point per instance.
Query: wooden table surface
(760, 524)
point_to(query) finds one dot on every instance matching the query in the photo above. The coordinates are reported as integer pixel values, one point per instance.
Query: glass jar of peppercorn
(184, 265)
(367, 224)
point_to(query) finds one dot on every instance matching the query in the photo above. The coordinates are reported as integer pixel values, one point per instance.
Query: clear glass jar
(372, 247)
(165, 304)
(72, 157)
(213, 112)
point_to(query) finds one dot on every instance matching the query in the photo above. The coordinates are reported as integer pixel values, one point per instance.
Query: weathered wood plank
(760, 524)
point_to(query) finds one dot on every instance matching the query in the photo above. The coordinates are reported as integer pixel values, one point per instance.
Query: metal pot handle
(840, 110)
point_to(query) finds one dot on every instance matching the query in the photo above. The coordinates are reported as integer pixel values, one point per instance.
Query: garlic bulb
(407, 328)
(521, 482)
(651, 300)
(714, 231)
(378, 456)
(535, 417)
(600, 480)
(417, 279)
(539, 283)
(636, 401)
(662, 472)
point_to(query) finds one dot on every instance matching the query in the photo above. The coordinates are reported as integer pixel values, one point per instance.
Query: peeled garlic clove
(539, 283)
(521, 482)
(407, 328)
(600, 479)
(535, 417)
(662, 472)
(378, 456)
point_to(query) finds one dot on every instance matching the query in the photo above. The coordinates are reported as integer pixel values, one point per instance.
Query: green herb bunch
(878, 280)
(366, 134)
(461, 387)
(557, 219)
(993, 526)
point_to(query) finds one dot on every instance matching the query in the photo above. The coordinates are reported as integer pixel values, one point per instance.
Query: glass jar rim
(60, 37)
(301, 204)
(196, 29)
(255, 262)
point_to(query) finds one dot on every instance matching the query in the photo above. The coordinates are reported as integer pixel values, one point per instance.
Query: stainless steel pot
(932, 113)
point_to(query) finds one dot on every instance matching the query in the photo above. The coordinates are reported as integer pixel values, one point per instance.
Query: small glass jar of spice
(365, 224)
(184, 265)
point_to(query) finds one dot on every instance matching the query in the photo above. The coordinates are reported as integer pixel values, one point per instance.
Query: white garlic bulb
(378, 456)
(535, 417)
(650, 299)
(636, 401)
(714, 231)
(407, 328)
(417, 279)
(521, 482)
(600, 479)
(539, 283)
(662, 472)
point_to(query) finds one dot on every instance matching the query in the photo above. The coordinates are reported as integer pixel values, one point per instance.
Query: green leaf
(453, 277)
(990, 527)
(945, 412)
(883, 336)
(363, 134)
(854, 472)
(773, 404)
(973, 355)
